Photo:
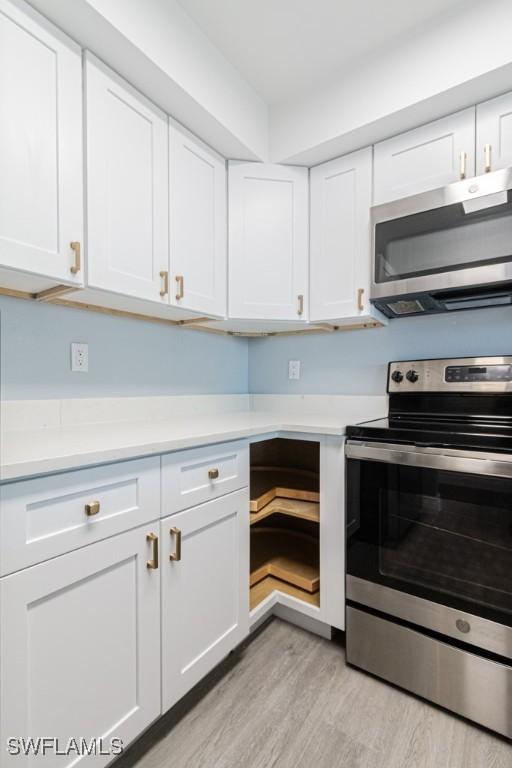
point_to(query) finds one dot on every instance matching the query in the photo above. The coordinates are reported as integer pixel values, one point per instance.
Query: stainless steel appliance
(444, 250)
(429, 537)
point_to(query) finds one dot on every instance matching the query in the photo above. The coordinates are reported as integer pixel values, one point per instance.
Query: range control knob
(411, 376)
(397, 376)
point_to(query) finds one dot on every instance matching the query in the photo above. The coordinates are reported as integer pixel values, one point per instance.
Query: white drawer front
(195, 476)
(48, 516)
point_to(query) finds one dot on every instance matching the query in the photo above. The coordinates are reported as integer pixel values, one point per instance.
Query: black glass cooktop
(471, 422)
(435, 434)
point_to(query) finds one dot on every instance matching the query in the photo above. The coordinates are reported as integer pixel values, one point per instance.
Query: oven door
(429, 539)
(454, 237)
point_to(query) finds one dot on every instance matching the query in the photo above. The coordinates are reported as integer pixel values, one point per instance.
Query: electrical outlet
(294, 369)
(79, 357)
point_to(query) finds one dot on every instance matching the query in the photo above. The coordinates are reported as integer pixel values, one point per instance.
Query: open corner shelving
(284, 519)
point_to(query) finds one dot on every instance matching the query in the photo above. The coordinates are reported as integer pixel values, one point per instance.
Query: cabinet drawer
(48, 516)
(195, 476)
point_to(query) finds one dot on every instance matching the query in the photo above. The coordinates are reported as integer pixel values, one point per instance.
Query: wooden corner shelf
(268, 483)
(305, 510)
(287, 555)
(269, 584)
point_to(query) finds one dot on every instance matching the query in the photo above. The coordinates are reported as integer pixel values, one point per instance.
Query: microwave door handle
(445, 459)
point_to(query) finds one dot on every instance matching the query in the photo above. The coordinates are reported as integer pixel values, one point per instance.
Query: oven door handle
(448, 459)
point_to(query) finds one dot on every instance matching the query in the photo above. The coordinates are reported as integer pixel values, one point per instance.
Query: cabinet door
(268, 241)
(205, 590)
(80, 647)
(127, 180)
(41, 207)
(426, 158)
(494, 134)
(340, 236)
(197, 224)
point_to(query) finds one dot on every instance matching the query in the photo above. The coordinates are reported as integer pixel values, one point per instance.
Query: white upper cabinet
(426, 158)
(268, 241)
(494, 134)
(340, 237)
(127, 188)
(41, 180)
(197, 225)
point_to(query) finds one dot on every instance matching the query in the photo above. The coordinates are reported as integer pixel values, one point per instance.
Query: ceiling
(286, 48)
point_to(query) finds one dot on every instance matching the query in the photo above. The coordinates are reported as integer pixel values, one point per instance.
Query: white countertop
(27, 452)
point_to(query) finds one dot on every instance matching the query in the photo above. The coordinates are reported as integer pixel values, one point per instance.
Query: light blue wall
(132, 357)
(354, 362)
(126, 357)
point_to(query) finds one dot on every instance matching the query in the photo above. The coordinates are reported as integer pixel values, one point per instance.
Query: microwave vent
(406, 307)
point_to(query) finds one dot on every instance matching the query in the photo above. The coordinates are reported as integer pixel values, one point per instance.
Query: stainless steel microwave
(444, 250)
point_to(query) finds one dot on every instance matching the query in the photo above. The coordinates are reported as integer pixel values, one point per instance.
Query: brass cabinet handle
(164, 290)
(153, 563)
(462, 169)
(487, 158)
(92, 508)
(213, 474)
(180, 290)
(176, 555)
(300, 304)
(360, 303)
(77, 266)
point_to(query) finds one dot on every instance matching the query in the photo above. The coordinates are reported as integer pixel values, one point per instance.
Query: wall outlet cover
(294, 369)
(79, 357)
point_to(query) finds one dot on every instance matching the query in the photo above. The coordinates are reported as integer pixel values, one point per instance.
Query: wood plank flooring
(287, 699)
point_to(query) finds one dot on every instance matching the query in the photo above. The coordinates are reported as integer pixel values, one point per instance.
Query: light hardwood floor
(287, 699)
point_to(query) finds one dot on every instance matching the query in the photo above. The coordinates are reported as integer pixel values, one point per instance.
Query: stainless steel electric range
(429, 537)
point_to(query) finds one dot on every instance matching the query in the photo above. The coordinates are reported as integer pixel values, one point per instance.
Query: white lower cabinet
(92, 640)
(205, 590)
(80, 647)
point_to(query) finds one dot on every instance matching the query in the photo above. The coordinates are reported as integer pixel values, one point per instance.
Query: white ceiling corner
(286, 49)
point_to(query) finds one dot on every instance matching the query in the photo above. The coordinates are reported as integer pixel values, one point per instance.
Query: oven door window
(445, 239)
(444, 536)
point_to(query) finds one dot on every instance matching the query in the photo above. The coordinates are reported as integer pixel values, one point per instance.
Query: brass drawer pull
(77, 266)
(487, 158)
(213, 474)
(176, 555)
(92, 508)
(180, 290)
(164, 290)
(300, 304)
(153, 563)
(462, 169)
(360, 303)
